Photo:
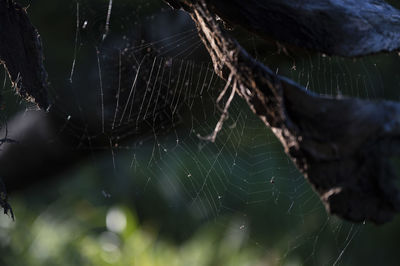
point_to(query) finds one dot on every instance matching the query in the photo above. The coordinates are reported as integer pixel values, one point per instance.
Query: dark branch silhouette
(21, 53)
(334, 27)
(342, 145)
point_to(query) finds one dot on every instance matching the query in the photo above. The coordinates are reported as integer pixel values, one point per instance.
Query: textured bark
(342, 145)
(339, 27)
(21, 53)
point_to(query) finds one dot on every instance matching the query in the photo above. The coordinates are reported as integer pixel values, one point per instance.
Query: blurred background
(117, 171)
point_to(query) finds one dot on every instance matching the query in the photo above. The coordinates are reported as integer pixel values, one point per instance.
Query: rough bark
(21, 53)
(340, 27)
(342, 145)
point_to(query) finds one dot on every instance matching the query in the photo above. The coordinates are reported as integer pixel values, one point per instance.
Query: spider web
(141, 93)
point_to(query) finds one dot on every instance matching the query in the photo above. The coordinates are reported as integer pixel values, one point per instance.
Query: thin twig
(225, 113)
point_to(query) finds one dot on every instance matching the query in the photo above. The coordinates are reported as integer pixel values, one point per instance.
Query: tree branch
(21, 53)
(342, 145)
(334, 27)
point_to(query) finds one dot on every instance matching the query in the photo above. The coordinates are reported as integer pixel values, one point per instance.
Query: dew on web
(142, 100)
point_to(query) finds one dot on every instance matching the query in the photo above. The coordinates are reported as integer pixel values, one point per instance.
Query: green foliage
(80, 233)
